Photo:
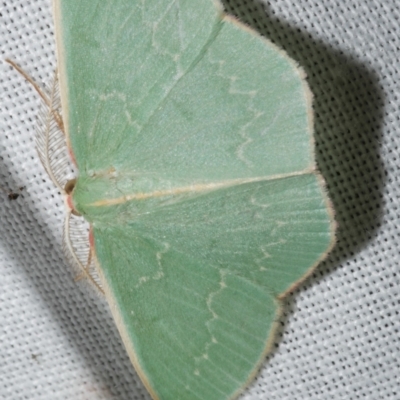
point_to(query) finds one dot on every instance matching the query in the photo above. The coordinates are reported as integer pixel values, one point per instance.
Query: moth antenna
(50, 139)
(46, 100)
(50, 136)
(77, 249)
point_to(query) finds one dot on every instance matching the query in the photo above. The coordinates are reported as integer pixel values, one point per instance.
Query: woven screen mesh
(339, 338)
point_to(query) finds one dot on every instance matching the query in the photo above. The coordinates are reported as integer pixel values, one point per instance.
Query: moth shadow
(348, 106)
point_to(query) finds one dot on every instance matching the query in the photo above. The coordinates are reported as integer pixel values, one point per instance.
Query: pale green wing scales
(195, 283)
(193, 138)
(244, 100)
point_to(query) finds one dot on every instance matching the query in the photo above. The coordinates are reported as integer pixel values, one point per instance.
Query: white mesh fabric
(340, 335)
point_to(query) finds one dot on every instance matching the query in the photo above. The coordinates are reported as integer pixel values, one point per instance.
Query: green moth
(193, 137)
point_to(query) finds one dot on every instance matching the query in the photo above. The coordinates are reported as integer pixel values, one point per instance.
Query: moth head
(68, 190)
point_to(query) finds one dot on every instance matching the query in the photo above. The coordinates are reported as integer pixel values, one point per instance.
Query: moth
(193, 140)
